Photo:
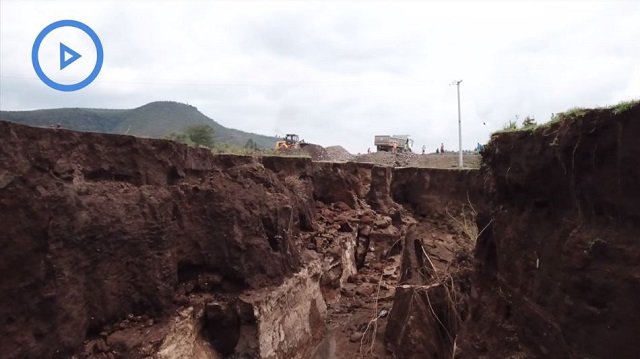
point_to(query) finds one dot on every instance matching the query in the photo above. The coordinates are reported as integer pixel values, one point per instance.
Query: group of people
(438, 150)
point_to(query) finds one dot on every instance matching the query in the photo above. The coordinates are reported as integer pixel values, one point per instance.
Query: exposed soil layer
(115, 246)
(558, 272)
(105, 226)
(121, 247)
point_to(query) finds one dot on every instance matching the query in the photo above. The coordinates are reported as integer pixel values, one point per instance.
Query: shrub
(529, 122)
(510, 126)
(251, 145)
(180, 137)
(624, 106)
(201, 135)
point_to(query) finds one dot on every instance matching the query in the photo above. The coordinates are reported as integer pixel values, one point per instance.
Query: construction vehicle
(394, 143)
(289, 142)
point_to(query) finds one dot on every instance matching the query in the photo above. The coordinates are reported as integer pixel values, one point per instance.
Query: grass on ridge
(572, 113)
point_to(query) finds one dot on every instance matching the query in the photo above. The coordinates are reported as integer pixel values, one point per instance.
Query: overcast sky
(341, 72)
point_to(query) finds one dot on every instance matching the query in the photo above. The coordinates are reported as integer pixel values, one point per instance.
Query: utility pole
(460, 163)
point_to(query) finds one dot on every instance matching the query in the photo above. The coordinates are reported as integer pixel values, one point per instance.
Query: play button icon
(64, 61)
(59, 45)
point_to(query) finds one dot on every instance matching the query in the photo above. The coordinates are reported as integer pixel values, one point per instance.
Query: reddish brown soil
(114, 235)
(358, 321)
(109, 242)
(98, 227)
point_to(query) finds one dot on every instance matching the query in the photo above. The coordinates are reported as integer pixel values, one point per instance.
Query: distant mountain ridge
(155, 119)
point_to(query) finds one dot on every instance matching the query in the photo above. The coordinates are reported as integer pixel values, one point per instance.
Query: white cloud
(340, 72)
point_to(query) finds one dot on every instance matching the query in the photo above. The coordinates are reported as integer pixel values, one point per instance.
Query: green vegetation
(225, 148)
(198, 135)
(92, 120)
(528, 123)
(624, 106)
(180, 137)
(510, 126)
(155, 120)
(571, 114)
(201, 135)
(286, 154)
(251, 145)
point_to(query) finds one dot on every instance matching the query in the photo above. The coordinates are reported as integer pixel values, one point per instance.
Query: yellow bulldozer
(289, 142)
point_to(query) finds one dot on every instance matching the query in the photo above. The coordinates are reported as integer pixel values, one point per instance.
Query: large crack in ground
(117, 247)
(174, 252)
(356, 262)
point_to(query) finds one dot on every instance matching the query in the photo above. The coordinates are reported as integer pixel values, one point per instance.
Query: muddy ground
(121, 247)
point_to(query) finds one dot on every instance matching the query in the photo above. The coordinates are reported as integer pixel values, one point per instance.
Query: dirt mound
(315, 152)
(338, 153)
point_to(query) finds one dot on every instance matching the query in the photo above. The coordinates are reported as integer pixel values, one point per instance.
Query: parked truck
(394, 143)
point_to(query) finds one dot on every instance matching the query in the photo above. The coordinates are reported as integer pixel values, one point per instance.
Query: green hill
(156, 120)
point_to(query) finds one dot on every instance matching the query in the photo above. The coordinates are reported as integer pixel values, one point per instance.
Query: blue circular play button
(67, 55)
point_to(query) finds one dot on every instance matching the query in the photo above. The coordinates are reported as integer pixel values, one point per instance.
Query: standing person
(442, 147)
(369, 150)
(424, 147)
